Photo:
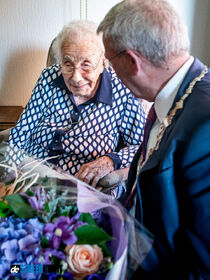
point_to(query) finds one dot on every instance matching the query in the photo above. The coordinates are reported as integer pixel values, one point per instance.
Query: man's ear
(134, 62)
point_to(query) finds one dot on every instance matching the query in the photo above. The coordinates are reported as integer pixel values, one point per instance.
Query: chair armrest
(114, 178)
(4, 134)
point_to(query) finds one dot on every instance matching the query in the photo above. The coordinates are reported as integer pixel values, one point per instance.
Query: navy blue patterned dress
(52, 124)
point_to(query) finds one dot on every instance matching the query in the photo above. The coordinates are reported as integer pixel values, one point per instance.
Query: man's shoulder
(198, 102)
(196, 106)
(194, 117)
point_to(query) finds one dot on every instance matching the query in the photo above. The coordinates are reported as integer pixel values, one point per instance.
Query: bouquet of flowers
(53, 226)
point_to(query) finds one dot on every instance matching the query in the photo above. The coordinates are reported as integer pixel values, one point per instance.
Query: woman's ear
(106, 63)
(134, 62)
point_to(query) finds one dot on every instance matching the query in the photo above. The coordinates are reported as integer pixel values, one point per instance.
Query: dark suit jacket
(174, 190)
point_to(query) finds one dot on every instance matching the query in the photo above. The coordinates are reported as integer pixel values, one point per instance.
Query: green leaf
(5, 209)
(44, 242)
(87, 218)
(68, 210)
(56, 261)
(105, 248)
(47, 208)
(73, 210)
(110, 265)
(29, 193)
(19, 206)
(65, 214)
(91, 234)
(10, 182)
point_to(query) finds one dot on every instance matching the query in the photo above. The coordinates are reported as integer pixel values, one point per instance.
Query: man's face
(125, 69)
(120, 65)
(76, 58)
(114, 58)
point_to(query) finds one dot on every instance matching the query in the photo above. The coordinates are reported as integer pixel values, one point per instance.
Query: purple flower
(45, 255)
(95, 276)
(39, 200)
(62, 231)
(19, 242)
(54, 276)
(10, 250)
(28, 243)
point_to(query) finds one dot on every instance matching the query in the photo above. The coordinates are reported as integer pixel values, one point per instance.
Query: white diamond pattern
(95, 134)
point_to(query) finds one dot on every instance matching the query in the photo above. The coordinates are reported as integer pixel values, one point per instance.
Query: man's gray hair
(77, 32)
(150, 27)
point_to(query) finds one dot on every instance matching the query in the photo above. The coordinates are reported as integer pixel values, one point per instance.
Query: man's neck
(161, 75)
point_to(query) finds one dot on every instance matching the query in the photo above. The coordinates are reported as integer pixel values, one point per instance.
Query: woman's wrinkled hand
(93, 171)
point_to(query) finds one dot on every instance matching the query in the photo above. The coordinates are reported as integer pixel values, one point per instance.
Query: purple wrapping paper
(87, 201)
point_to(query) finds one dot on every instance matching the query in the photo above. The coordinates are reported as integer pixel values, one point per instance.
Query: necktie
(148, 125)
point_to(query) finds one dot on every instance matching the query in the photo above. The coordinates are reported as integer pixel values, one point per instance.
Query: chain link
(168, 120)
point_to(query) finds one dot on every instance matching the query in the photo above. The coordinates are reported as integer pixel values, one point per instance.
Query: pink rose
(83, 260)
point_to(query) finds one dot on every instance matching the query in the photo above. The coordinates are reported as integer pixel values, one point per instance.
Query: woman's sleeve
(131, 131)
(21, 134)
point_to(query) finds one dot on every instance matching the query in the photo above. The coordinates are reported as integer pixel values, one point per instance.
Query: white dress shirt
(164, 101)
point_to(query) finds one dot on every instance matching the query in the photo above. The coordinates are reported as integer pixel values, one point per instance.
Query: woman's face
(82, 64)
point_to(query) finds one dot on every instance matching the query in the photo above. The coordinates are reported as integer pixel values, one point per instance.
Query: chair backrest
(51, 57)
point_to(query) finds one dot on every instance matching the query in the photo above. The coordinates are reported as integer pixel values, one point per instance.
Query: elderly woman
(79, 111)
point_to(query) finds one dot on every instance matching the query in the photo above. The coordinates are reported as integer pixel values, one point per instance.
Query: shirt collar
(165, 98)
(103, 93)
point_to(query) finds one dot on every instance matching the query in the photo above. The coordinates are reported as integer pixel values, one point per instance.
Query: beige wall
(27, 28)
(200, 40)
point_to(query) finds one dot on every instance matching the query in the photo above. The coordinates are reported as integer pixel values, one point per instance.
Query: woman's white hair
(151, 27)
(77, 32)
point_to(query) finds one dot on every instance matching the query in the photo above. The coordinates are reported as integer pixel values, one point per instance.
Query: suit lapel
(192, 73)
(132, 171)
